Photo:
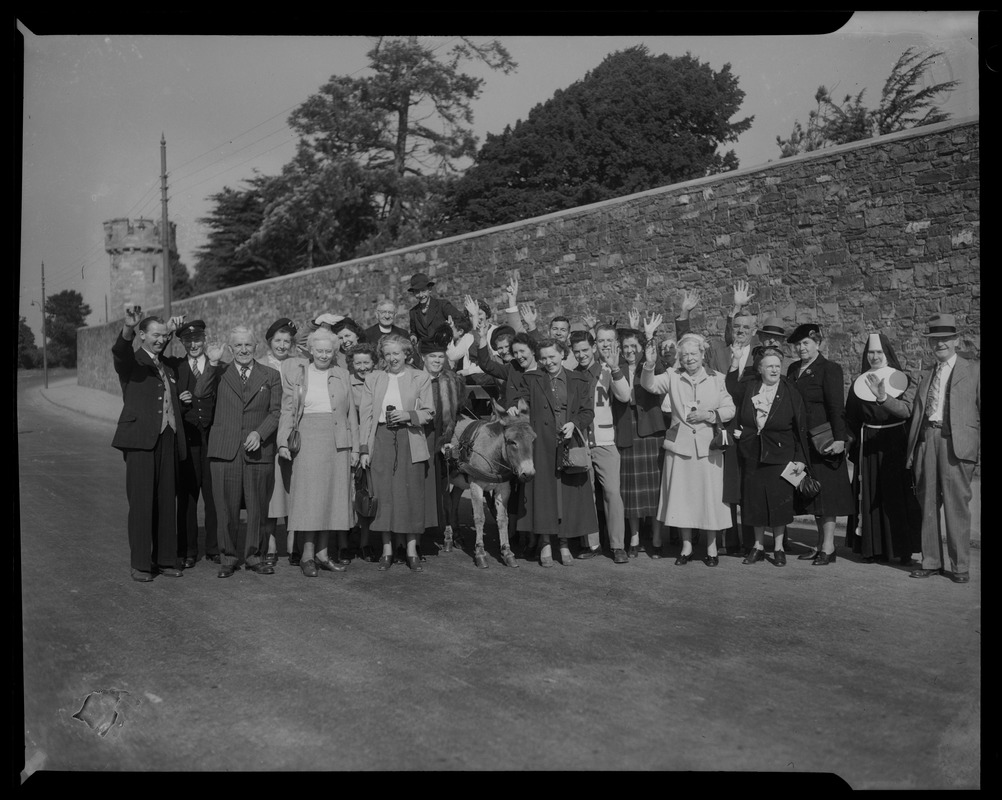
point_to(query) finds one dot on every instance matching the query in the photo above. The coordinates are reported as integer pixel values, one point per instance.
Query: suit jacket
(425, 323)
(533, 388)
(961, 411)
(416, 398)
(711, 394)
(295, 382)
(143, 392)
(241, 409)
(198, 413)
(783, 438)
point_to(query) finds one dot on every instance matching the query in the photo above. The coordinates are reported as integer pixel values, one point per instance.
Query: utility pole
(45, 357)
(165, 227)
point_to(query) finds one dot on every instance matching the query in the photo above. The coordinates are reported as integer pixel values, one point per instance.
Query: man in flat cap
(944, 442)
(429, 313)
(196, 390)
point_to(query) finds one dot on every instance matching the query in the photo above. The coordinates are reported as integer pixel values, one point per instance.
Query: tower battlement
(136, 253)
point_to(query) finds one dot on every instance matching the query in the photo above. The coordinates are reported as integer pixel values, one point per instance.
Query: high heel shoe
(754, 556)
(309, 568)
(414, 562)
(823, 559)
(683, 559)
(329, 565)
(385, 562)
(808, 556)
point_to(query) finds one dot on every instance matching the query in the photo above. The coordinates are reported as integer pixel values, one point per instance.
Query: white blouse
(392, 396)
(318, 399)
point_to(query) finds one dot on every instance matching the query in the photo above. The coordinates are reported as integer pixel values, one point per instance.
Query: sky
(95, 107)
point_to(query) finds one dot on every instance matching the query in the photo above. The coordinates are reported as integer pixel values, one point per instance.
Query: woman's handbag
(809, 487)
(822, 438)
(573, 458)
(295, 441)
(365, 501)
(722, 439)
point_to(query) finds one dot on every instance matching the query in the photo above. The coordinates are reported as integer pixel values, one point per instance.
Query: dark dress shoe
(924, 573)
(960, 577)
(295, 559)
(620, 557)
(225, 572)
(633, 551)
(142, 577)
(214, 558)
(330, 565)
(170, 572)
(589, 553)
(261, 568)
(683, 559)
(808, 556)
(414, 562)
(779, 558)
(823, 559)
(385, 562)
(309, 568)
(368, 555)
(754, 556)
(188, 563)
(711, 561)
(271, 559)
(343, 556)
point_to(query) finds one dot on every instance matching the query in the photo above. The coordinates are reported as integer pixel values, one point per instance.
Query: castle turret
(136, 262)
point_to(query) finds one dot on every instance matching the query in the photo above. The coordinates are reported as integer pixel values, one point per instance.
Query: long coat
(295, 382)
(555, 502)
(416, 398)
(143, 393)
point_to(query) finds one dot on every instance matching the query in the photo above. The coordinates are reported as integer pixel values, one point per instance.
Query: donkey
(489, 454)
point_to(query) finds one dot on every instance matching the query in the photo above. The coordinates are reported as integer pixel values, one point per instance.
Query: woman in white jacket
(692, 480)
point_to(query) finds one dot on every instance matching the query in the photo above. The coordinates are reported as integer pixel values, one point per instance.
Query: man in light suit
(151, 441)
(944, 442)
(242, 453)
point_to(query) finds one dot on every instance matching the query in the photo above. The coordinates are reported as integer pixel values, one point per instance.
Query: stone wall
(874, 235)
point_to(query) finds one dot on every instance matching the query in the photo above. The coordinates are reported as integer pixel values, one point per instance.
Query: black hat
(284, 322)
(419, 282)
(437, 342)
(804, 330)
(499, 331)
(191, 330)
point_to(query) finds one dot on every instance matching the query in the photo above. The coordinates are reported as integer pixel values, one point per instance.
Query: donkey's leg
(477, 498)
(501, 494)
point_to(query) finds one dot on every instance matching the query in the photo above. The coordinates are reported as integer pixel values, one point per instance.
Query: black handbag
(365, 500)
(722, 439)
(809, 487)
(573, 458)
(295, 440)
(821, 438)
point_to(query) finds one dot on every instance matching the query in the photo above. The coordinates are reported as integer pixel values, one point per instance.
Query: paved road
(854, 670)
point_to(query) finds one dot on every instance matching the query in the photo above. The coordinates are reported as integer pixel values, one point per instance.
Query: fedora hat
(772, 328)
(419, 281)
(942, 326)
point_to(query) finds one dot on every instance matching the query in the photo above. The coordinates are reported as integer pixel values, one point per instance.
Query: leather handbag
(573, 458)
(809, 487)
(365, 500)
(722, 439)
(295, 441)
(821, 438)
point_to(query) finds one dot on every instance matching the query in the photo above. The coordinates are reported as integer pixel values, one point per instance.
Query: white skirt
(692, 491)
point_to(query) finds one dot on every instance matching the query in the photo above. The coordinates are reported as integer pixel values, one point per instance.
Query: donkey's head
(518, 438)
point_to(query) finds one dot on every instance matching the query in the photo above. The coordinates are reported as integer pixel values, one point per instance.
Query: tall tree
(64, 313)
(236, 215)
(904, 103)
(27, 352)
(633, 123)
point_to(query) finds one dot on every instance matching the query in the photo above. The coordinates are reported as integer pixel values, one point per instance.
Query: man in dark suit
(195, 389)
(150, 440)
(386, 313)
(429, 313)
(944, 442)
(242, 452)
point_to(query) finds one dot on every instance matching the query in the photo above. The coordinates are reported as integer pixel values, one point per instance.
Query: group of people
(692, 437)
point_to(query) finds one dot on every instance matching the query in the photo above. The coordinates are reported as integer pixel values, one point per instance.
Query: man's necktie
(935, 387)
(194, 370)
(243, 375)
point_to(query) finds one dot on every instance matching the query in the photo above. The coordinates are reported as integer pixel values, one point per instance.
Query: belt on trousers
(897, 424)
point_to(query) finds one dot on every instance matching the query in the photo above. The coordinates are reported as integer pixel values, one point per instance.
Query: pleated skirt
(640, 473)
(320, 485)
